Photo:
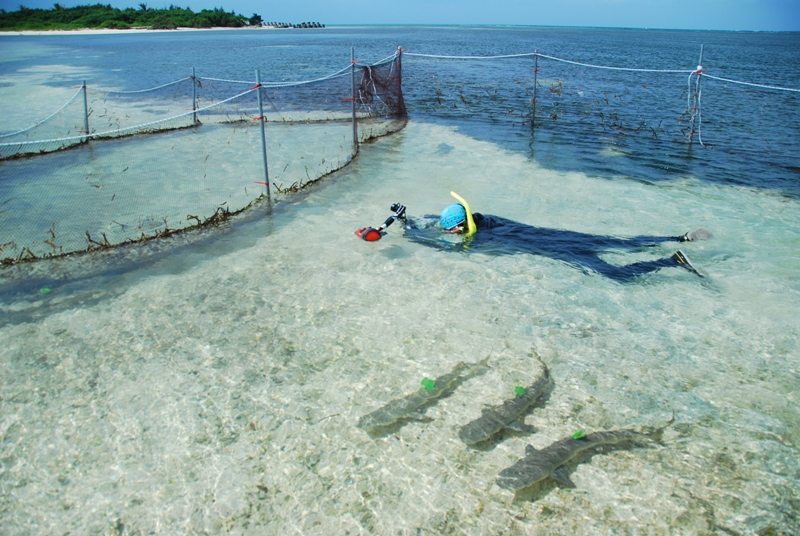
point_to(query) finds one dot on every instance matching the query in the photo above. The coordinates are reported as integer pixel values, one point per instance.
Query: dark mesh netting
(380, 91)
(183, 154)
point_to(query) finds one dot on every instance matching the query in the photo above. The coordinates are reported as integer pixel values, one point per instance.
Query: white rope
(595, 66)
(282, 84)
(375, 95)
(387, 59)
(45, 119)
(437, 56)
(689, 101)
(554, 58)
(251, 82)
(633, 69)
(763, 86)
(699, 113)
(340, 73)
(121, 92)
(337, 74)
(695, 111)
(122, 130)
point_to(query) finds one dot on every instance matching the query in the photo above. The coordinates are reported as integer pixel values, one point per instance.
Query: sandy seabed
(223, 397)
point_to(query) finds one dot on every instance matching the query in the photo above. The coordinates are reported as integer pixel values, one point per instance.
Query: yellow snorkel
(471, 227)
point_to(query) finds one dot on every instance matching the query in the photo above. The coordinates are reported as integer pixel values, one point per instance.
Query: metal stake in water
(85, 112)
(695, 111)
(353, 93)
(194, 97)
(535, 72)
(700, 63)
(263, 134)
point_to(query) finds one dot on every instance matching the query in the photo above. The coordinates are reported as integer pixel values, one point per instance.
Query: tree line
(101, 16)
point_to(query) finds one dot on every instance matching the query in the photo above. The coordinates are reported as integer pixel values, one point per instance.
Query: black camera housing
(399, 211)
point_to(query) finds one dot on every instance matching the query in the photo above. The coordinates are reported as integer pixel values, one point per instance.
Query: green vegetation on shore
(101, 16)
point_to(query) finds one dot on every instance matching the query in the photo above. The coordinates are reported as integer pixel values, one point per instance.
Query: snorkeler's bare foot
(698, 234)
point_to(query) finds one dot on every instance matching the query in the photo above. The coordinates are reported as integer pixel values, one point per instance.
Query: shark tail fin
(659, 432)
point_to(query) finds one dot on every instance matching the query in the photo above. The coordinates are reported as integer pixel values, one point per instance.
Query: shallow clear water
(218, 388)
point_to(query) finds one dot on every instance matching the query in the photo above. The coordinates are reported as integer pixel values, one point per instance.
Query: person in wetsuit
(501, 236)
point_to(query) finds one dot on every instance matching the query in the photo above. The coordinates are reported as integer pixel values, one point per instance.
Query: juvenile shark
(549, 462)
(506, 415)
(412, 405)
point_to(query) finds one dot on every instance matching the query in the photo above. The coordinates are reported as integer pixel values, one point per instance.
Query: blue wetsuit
(501, 236)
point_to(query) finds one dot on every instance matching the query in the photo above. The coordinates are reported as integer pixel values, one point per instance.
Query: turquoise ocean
(212, 382)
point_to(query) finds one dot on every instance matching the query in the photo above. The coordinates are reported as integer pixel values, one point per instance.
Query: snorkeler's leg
(647, 241)
(625, 274)
(621, 274)
(679, 258)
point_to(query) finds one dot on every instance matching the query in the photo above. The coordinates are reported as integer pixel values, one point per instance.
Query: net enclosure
(190, 152)
(114, 166)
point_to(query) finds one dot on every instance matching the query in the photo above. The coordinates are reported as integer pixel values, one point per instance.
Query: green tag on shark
(579, 434)
(519, 390)
(427, 384)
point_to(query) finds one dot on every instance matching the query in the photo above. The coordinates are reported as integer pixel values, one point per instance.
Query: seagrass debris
(221, 214)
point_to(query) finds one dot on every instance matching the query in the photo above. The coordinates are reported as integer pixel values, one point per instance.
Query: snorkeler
(501, 236)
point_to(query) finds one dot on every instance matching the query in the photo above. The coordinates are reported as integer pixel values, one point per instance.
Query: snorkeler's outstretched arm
(420, 237)
(371, 234)
(399, 214)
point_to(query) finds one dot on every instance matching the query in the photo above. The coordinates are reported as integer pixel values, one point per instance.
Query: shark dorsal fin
(529, 449)
(560, 475)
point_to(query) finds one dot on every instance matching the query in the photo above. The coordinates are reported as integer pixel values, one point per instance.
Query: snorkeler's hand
(399, 210)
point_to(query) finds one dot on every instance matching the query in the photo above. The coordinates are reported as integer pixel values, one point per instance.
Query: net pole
(194, 97)
(263, 134)
(698, 111)
(535, 73)
(353, 94)
(85, 112)
(696, 96)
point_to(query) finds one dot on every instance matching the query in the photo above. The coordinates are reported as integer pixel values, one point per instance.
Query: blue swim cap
(452, 216)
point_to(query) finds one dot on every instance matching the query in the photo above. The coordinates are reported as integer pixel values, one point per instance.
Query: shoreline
(107, 31)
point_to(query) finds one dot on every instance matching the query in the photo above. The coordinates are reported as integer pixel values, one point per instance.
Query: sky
(754, 15)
